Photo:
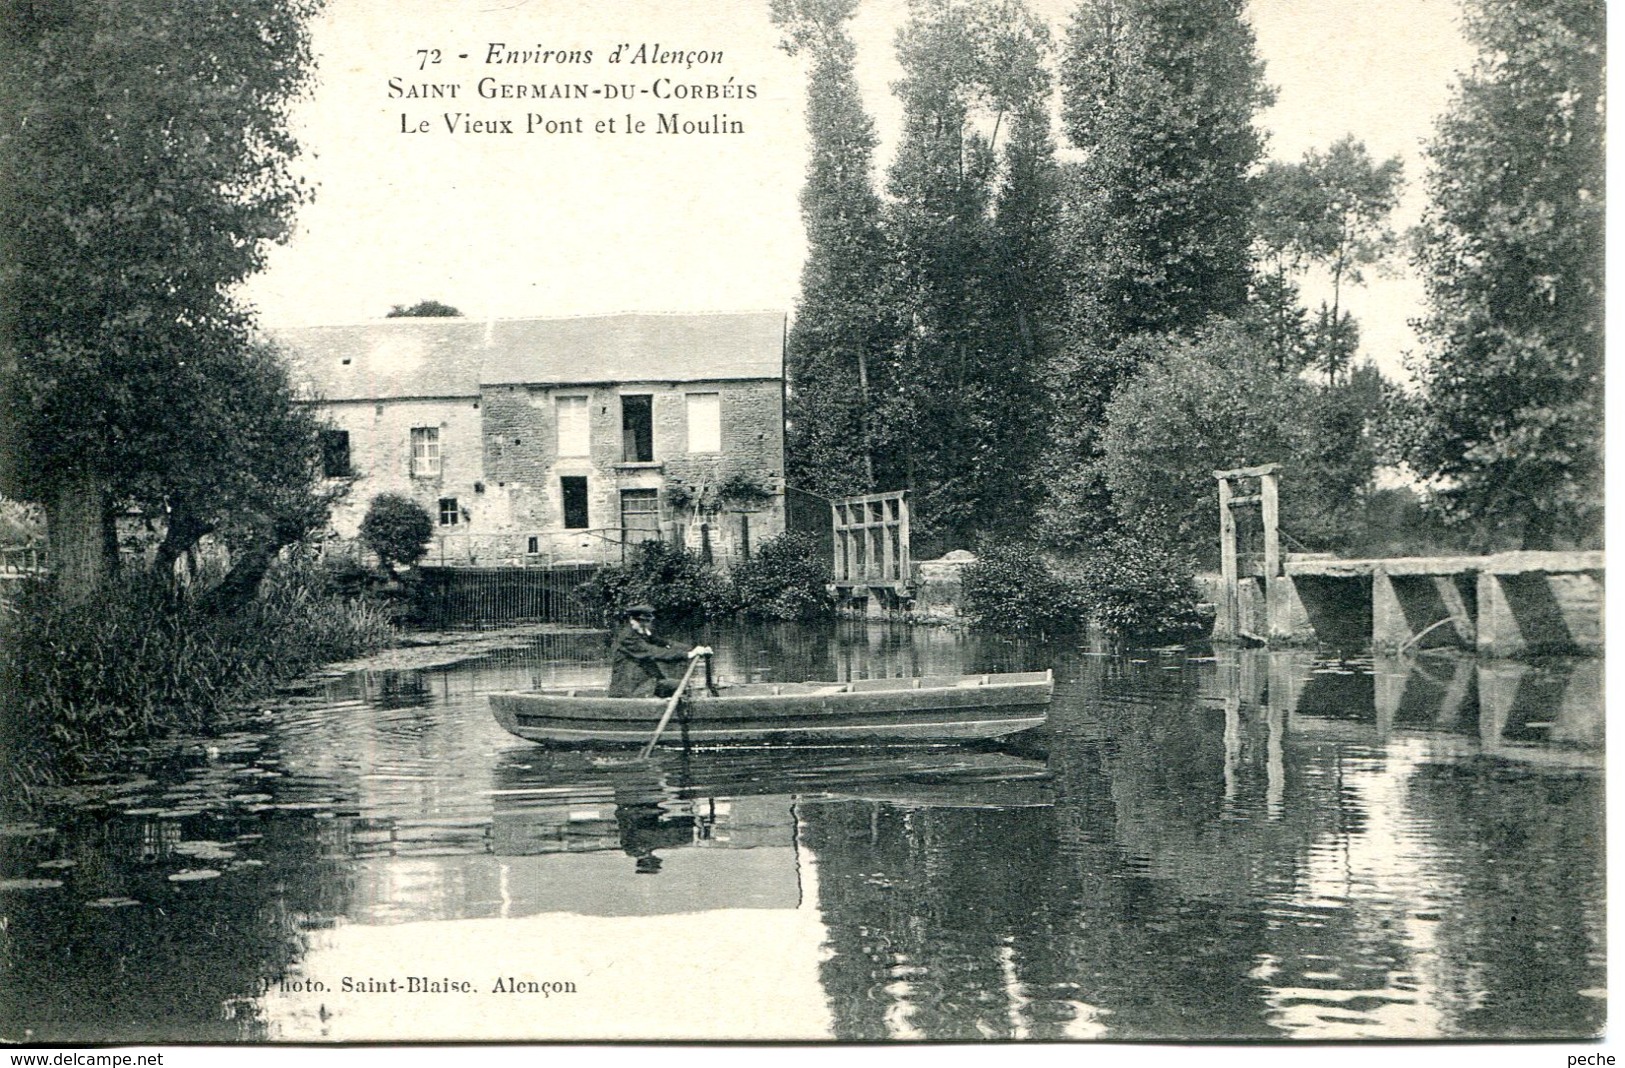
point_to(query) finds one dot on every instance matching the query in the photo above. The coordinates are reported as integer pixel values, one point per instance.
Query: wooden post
(1268, 488)
(1229, 622)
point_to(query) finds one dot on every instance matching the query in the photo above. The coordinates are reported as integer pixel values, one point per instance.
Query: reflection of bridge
(1550, 716)
(1505, 605)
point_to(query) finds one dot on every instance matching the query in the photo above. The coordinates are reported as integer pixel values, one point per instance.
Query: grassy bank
(83, 686)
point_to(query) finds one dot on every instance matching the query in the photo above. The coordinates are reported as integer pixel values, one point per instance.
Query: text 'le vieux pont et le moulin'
(504, 90)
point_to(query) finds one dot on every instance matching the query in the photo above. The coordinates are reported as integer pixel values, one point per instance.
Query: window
(335, 453)
(574, 436)
(448, 511)
(573, 489)
(425, 451)
(705, 422)
(640, 516)
(637, 429)
(533, 545)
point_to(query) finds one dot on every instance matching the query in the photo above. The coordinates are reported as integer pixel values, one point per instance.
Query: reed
(82, 687)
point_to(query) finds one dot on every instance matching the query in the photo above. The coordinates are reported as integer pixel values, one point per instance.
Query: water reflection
(1197, 845)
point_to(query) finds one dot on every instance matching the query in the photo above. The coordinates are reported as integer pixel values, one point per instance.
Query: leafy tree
(398, 529)
(1160, 96)
(146, 162)
(1512, 252)
(1331, 211)
(423, 309)
(835, 342)
(248, 472)
(1216, 403)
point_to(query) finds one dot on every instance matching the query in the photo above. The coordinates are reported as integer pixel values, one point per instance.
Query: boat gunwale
(799, 691)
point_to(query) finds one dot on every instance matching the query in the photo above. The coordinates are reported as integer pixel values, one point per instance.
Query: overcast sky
(525, 224)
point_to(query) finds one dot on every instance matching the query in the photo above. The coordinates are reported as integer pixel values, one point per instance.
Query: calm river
(1199, 845)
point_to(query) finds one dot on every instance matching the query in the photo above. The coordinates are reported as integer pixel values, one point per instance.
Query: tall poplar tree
(1159, 99)
(968, 222)
(1512, 252)
(145, 156)
(837, 342)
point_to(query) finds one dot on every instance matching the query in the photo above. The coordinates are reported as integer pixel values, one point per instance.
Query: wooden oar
(671, 706)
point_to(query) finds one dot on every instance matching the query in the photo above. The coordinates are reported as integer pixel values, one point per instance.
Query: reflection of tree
(1531, 919)
(1207, 873)
(854, 650)
(922, 906)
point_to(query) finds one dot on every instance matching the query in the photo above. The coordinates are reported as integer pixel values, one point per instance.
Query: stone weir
(1510, 604)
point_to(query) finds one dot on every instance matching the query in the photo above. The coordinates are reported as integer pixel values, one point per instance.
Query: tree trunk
(242, 582)
(180, 534)
(863, 400)
(80, 532)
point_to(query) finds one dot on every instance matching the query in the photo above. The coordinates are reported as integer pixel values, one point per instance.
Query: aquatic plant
(81, 685)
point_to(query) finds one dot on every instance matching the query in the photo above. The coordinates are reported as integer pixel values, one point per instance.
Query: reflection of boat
(932, 709)
(736, 798)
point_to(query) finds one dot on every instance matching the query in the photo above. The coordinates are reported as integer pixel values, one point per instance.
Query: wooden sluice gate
(1504, 605)
(871, 549)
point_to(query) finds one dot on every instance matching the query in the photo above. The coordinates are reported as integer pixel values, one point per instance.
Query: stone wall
(381, 457)
(500, 460)
(939, 587)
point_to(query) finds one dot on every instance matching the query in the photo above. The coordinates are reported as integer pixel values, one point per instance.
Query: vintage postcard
(759, 592)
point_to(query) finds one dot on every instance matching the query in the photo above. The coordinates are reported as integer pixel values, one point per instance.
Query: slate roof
(413, 357)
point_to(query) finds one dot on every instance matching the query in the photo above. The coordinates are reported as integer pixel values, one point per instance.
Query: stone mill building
(547, 441)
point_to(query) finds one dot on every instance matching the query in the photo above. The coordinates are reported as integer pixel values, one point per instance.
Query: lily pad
(204, 850)
(111, 903)
(23, 830)
(192, 875)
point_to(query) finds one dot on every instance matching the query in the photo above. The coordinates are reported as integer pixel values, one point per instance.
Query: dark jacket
(635, 662)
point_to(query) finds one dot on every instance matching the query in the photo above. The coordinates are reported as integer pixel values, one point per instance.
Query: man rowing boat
(637, 655)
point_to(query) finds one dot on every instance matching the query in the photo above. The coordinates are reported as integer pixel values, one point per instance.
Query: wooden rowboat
(947, 708)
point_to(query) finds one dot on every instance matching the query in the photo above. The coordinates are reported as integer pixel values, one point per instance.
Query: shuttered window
(704, 422)
(575, 438)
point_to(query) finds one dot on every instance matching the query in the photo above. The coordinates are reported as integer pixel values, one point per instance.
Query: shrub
(788, 578)
(681, 587)
(398, 529)
(1011, 588)
(1137, 589)
(1132, 588)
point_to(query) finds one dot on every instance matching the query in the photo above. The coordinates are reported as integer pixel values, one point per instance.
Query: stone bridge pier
(1510, 604)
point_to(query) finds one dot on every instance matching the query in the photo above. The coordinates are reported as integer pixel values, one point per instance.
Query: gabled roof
(413, 357)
